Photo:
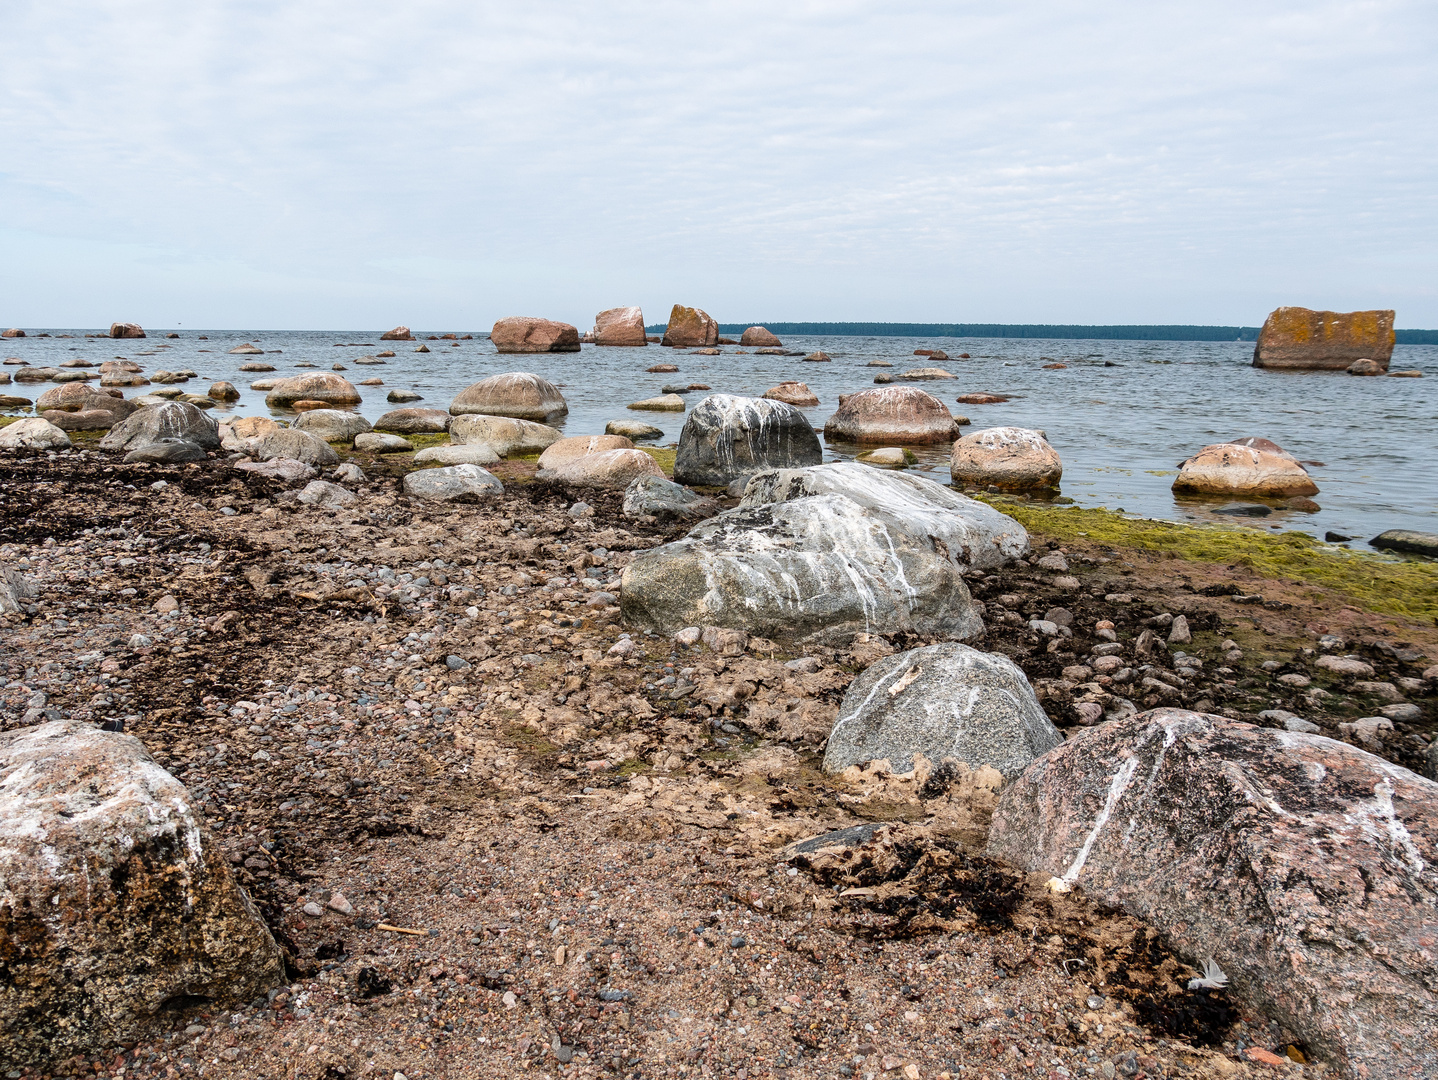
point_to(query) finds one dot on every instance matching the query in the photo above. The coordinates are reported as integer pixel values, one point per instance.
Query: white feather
(1213, 977)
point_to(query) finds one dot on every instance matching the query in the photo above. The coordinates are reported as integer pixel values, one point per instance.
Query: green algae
(1381, 583)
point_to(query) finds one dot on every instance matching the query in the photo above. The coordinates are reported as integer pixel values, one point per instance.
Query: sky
(444, 163)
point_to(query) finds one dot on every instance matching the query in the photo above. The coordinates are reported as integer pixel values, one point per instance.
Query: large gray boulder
(978, 536)
(656, 497)
(332, 425)
(1306, 868)
(823, 568)
(168, 420)
(292, 443)
(35, 433)
(167, 452)
(453, 483)
(726, 437)
(414, 421)
(503, 434)
(116, 901)
(942, 701)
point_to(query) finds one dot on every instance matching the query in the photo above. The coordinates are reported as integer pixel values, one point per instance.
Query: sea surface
(1122, 414)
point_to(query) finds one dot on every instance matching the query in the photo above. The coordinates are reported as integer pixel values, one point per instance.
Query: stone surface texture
(169, 420)
(689, 327)
(453, 483)
(901, 415)
(620, 326)
(726, 437)
(464, 454)
(292, 443)
(1231, 469)
(115, 900)
(316, 386)
(654, 496)
(1009, 458)
(1295, 337)
(1307, 868)
(526, 334)
(503, 434)
(516, 394)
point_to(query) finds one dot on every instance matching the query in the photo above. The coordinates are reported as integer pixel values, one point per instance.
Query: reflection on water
(1122, 414)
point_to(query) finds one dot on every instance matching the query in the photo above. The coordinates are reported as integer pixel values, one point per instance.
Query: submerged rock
(1299, 338)
(941, 701)
(1234, 469)
(516, 394)
(1009, 458)
(902, 415)
(117, 900)
(622, 326)
(726, 437)
(527, 334)
(1307, 868)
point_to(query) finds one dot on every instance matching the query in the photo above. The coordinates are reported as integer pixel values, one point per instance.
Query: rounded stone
(322, 386)
(1009, 458)
(332, 425)
(904, 415)
(516, 394)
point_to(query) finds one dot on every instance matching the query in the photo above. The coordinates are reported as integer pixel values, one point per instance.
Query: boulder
(470, 454)
(235, 434)
(327, 496)
(817, 569)
(292, 443)
(367, 361)
(36, 433)
(414, 421)
(117, 379)
(264, 385)
(1409, 540)
(332, 425)
(927, 374)
(118, 904)
(982, 399)
(223, 391)
(1300, 339)
(39, 375)
(380, 442)
(619, 326)
(1306, 868)
(321, 386)
(606, 468)
(941, 701)
(689, 327)
(820, 357)
(77, 397)
(758, 337)
(504, 434)
(1366, 367)
(662, 403)
(888, 457)
(660, 369)
(84, 420)
(793, 393)
(453, 483)
(78, 376)
(16, 590)
(399, 397)
(904, 415)
(13, 332)
(287, 469)
(14, 401)
(567, 450)
(726, 437)
(167, 452)
(170, 420)
(125, 330)
(516, 394)
(399, 333)
(120, 365)
(1232, 469)
(1008, 458)
(633, 429)
(246, 349)
(974, 534)
(524, 334)
(259, 366)
(650, 496)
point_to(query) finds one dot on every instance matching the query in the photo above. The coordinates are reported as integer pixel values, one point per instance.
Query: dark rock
(167, 451)
(654, 496)
(1415, 543)
(726, 437)
(170, 420)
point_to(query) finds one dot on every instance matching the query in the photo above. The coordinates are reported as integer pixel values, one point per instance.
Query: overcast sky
(443, 163)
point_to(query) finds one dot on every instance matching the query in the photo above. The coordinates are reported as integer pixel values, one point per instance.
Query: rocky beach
(467, 749)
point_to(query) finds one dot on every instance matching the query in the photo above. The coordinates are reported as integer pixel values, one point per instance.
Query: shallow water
(1122, 414)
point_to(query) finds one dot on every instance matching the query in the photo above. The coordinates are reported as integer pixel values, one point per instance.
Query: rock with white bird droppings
(1307, 868)
(1008, 458)
(726, 437)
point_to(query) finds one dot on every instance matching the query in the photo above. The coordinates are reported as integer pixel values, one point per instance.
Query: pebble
(581, 509)
(339, 904)
(313, 910)
(456, 663)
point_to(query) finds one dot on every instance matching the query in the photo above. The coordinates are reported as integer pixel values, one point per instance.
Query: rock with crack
(941, 701)
(726, 437)
(117, 901)
(973, 533)
(1307, 868)
(822, 568)
(167, 420)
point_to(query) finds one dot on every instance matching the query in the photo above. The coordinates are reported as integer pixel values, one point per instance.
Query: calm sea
(1122, 413)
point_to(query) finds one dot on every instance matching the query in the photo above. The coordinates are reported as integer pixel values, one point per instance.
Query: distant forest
(1028, 330)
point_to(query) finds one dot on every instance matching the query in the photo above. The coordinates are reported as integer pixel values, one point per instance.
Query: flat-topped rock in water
(1234, 469)
(1306, 868)
(453, 483)
(927, 374)
(605, 468)
(1366, 367)
(726, 437)
(759, 337)
(689, 327)
(621, 326)
(662, 403)
(794, 393)
(516, 394)
(527, 334)
(504, 434)
(36, 433)
(633, 429)
(247, 349)
(1409, 540)
(1302, 339)
(903, 415)
(975, 535)
(414, 421)
(117, 900)
(941, 701)
(399, 397)
(888, 457)
(170, 420)
(823, 568)
(1008, 458)
(572, 449)
(332, 425)
(322, 386)
(126, 330)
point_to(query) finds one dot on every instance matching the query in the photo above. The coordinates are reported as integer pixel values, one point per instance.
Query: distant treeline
(1027, 330)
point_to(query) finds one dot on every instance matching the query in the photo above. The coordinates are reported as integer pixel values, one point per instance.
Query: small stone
(1294, 679)
(456, 663)
(313, 910)
(1179, 633)
(1066, 582)
(167, 604)
(737, 942)
(581, 509)
(688, 636)
(339, 904)
(1405, 713)
(1345, 665)
(510, 1001)
(1054, 560)
(1059, 616)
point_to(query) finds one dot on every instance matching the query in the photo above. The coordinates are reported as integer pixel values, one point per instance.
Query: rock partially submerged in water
(399, 333)
(941, 701)
(126, 330)
(690, 327)
(527, 334)
(1408, 540)
(169, 420)
(974, 534)
(322, 386)
(516, 394)
(1307, 868)
(633, 429)
(726, 437)
(759, 337)
(1302, 339)
(793, 393)
(621, 326)
(118, 903)
(899, 415)
(1008, 458)
(1236, 469)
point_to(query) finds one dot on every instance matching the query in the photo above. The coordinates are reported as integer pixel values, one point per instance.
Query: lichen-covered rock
(169, 420)
(1008, 458)
(942, 701)
(572, 449)
(332, 425)
(620, 326)
(655, 497)
(414, 421)
(113, 899)
(759, 337)
(607, 468)
(976, 535)
(689, 327)
(453, 483)
(1307, 868)
(526, 334)
(516, 394)
(505, 435)
(823, 568)
(1298, 338)
(1235, 469)
(726, 437)
(332, 389)
(893, 415)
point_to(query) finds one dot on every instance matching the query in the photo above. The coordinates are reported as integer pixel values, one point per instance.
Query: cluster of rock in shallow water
(1302, 865)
